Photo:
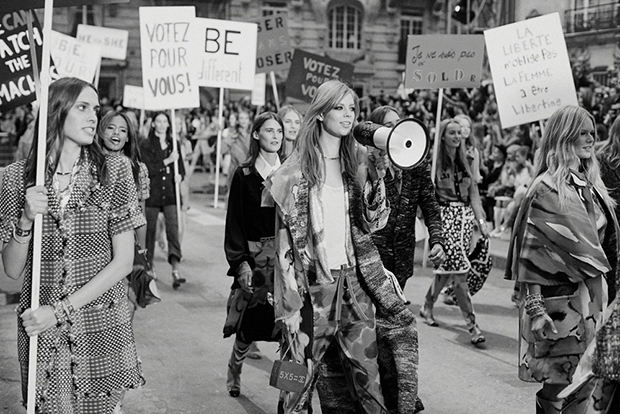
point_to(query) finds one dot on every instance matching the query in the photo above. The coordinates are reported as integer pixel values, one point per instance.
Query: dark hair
(63, 94)
(259, 121)
(132, 147)
(378, 115)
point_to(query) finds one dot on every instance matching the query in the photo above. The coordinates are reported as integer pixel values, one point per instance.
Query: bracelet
(482, 221)
(21, 232)
(20, 239)
(59, 312)
(535, 305)
(68, 307)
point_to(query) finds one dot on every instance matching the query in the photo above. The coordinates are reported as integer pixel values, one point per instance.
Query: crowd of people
(319, 239)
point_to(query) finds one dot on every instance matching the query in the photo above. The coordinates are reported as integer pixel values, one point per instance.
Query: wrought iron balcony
(600, 17)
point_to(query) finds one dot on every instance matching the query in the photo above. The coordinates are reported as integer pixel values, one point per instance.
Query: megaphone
(407, 143)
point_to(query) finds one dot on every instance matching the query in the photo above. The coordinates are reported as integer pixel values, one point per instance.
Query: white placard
(113, 42)
(169, 47)
(228, 54)
(133, 97)
(258, 93)
(73, 58)
(531, 71)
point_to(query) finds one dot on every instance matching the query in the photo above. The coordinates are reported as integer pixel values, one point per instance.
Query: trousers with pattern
(344, 313)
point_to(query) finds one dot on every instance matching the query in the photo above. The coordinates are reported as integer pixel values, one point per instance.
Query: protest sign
(258, 93)
(17, 85)
(228, 55)
(531, 71)
(169, 47)
(133, 97)
(74, 59)
(308, 71)
(113, 42)
(12, 5)
(273, 50)
(443, 61)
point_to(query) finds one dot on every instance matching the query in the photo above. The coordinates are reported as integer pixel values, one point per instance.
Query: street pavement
(184, 355)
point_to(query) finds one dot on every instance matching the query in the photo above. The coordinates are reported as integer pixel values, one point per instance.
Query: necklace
(331, 158)
(64, 173)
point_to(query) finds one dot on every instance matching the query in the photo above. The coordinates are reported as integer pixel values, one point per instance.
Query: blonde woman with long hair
(564, 247)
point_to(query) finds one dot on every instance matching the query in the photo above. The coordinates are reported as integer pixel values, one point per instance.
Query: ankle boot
(544, 406)
(427, 315)
(233, 381)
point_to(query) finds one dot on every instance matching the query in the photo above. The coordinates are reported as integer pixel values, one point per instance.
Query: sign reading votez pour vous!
(169, 47)
(274, 46)
(308, 71)
(531, 71)
(113, 42)
(228, 53)
(16, 82)
(443, 61)
(11, 5)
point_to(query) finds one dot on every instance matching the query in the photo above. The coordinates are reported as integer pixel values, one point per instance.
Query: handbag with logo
(288, 375)
(141, 279)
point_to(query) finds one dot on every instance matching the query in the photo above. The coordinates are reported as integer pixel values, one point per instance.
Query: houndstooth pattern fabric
(84, 365)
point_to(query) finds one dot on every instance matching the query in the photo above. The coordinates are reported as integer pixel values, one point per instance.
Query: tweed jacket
(396, 241)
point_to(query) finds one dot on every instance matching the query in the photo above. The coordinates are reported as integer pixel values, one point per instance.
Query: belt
(453, 203)
(340, 276)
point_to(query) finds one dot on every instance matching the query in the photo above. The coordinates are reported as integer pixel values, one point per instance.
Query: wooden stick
(218, 149)
(39, 180)
(177, 185)
(434, 164)
(272, 76)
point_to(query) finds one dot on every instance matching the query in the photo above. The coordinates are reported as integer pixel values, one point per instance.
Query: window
(410, 23)
(345, 28)
(273, 7)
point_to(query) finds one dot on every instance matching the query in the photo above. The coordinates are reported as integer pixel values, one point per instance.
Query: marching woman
(459, 201)
(90, 210)
(249, 242)
(329, 276)
(159, 158)
(564, 246)
(291, 119)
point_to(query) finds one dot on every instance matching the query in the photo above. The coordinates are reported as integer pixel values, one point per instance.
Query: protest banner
(531, 70)
(73, 58)
(228, 57)
(258, 93)
(133, 97)
(113, 42)
(12, 5)
(273, 49)
(17, 85)
(308, 71)
(169, 48)
(443, 61)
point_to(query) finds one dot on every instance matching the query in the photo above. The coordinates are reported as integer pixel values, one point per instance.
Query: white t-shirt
(334, 216)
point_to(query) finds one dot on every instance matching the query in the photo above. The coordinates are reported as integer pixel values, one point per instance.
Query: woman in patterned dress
(459, 201)
(564, 247)
(250, 248)
(90, 209)
(328, 273)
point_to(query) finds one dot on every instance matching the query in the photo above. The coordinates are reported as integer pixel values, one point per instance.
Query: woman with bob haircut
(564, 246)
(90, 209)
(459, 201)
(328, 277)
(249, 242)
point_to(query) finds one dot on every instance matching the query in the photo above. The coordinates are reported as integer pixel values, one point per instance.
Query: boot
(177, 279)
(544, 406)
(427, 315)
(233, 381)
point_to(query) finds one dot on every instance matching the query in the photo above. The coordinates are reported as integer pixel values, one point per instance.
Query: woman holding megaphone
(328, 274)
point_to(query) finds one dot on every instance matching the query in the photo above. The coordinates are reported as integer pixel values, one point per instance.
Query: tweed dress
(83, 365)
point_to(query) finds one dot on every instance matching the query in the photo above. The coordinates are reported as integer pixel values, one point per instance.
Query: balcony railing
(585, 19)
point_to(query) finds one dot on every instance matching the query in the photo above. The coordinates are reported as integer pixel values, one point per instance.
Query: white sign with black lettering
(113, 42)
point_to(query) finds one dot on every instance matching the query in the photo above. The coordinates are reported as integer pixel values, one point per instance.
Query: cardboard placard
(169, 47)
(73, 58)
(531, 70)
(308, 71)
(12, 5)
(113, 42)
(133, 97)
(17, 85)
(228, 53)
(258, 93)
(273, 50)
(444, 61)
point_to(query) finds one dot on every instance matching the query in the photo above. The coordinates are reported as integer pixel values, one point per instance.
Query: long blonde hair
(557, 153)
(327, 97)
(443, 160)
